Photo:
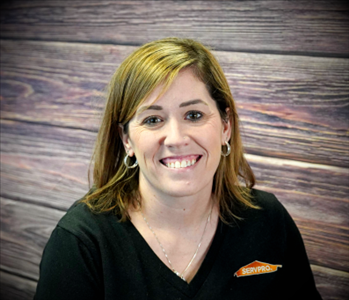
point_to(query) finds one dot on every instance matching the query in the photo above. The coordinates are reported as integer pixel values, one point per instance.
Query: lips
(178, 162)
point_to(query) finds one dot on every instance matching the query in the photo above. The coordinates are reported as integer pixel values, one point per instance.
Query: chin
(179, 194)
(182, 190)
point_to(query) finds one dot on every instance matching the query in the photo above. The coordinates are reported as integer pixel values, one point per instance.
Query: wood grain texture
(48, 166)
(331, 284)
(313, 27)
(25, 229)
(290, 107)
(44, 164)
(13, 287)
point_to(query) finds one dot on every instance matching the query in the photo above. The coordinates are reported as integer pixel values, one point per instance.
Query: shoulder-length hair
(115, 187)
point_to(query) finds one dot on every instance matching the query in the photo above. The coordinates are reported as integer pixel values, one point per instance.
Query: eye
(152, 120)
(194, 115)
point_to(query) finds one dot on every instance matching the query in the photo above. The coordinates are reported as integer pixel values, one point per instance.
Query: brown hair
(158, 62)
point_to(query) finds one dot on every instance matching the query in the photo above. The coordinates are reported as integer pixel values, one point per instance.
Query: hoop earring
(228, 150)
(127, 166)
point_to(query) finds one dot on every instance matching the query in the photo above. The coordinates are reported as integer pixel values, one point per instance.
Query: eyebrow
(183, 104)
(148, 107)
(191, 102)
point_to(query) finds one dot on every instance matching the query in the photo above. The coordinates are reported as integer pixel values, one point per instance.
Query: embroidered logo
(256, 268)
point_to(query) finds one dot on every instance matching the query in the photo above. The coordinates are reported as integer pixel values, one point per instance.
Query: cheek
(210, 140)
(144, 143)
(215, 144)
(212, 134)
(216, 152)
(137, 137)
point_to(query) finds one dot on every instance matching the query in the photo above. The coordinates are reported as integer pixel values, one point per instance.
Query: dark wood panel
(25, 229)
(305, 185)
(326, 244)
(13, 287)
(44, 164)
(57, 83)
(22, 242)
(48, 166)
(290, 107)
(275, 26)
(331, 284)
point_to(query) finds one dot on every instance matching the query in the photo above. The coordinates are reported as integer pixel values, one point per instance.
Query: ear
(226, 132)
(126, 141)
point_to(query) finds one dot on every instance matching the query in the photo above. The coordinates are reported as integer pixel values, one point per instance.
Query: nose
(175, 134)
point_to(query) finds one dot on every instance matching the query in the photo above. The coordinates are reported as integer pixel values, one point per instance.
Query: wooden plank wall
(287, 65)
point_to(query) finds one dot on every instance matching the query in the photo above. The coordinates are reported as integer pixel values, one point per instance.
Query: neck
(175, 212)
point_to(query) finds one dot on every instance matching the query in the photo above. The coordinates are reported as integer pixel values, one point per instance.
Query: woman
(167, 217)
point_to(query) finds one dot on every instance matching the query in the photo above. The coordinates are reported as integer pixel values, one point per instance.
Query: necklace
(181, 275)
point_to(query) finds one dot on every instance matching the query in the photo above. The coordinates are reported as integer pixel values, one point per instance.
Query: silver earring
(127, 166)
(228, 150)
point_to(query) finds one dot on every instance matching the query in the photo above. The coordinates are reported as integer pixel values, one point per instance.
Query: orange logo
(256, 268)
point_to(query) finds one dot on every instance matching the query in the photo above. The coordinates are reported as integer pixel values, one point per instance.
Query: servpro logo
(256, 268)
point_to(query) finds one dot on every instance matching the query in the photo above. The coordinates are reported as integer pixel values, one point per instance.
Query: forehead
(186, 86)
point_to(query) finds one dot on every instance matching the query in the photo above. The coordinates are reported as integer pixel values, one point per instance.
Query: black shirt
(94, 256)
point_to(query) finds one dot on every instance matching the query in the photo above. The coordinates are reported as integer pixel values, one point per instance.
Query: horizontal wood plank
(290, 107)
(23, 238)
(47, 166)
(304, 185)
(22, 245)
(13, 287)
(331, 284)
(259, 26)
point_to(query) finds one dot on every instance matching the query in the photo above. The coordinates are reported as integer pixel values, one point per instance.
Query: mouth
(180, 162)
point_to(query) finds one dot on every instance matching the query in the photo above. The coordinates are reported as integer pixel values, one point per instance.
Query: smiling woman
(172, 213)
(141, 80)
(174, 154)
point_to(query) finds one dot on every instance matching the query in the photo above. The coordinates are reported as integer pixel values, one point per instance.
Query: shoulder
(270, 224)
(267, 202)
(87, 226)
(271, 212)
(78, 216)
(265, 199)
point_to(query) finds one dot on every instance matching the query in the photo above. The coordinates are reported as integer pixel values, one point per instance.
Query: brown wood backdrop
(287, 65)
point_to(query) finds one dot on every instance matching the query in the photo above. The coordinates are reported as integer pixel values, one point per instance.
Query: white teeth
(182, 164)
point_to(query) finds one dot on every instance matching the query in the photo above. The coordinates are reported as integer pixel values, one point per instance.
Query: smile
(179, 163)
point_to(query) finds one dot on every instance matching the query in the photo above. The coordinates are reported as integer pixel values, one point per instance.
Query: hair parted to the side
(115, 187)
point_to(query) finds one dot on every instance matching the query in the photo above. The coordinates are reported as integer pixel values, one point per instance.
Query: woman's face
(177, 140)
